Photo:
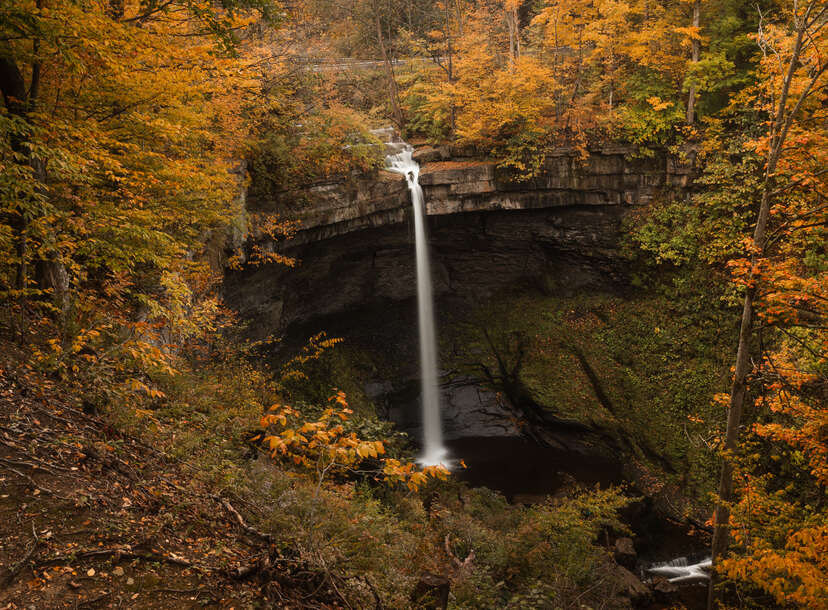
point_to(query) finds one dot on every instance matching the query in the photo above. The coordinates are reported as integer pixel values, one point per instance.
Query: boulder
(431, 592)
(429, 154)
(631, 587)
(625, 553)
(663, 589)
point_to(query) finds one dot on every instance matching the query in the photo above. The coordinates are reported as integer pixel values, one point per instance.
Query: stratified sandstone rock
(487, 230)
(452, 185)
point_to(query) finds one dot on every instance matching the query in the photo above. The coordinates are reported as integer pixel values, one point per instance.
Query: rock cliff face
(487, 231)
(467, 409)
(356, 279)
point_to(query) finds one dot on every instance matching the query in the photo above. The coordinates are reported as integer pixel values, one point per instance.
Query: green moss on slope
(641, 368)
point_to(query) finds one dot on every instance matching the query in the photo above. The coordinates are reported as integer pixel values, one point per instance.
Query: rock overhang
(486, 229)
(612, 176)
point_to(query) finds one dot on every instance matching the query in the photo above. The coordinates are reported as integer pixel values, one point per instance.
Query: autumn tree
(611, 69)
(121, 133)
(379, 31)
(779, 283)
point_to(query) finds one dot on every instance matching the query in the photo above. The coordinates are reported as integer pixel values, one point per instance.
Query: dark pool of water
(519, 468)
(526, 472)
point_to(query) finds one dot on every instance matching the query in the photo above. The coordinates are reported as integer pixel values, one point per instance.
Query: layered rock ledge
(452, 185)
(487, 230)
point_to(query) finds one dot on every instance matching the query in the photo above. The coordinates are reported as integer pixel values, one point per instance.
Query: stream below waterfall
(527, 473)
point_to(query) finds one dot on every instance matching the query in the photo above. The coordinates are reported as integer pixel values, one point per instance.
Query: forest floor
(91, 517)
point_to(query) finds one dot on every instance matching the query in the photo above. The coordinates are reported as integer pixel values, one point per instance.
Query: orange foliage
(781, 521)
(325, 447)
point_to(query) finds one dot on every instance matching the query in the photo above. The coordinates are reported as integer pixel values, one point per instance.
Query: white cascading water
(681, 570)
(433, 450)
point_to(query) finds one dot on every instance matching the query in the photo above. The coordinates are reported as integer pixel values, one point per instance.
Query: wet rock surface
(473, 255)
(467, 409)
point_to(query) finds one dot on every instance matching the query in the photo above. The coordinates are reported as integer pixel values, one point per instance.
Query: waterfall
(680, 570)
(433, 450)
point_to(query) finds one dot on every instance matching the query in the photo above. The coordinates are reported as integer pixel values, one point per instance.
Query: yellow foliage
(324, 446)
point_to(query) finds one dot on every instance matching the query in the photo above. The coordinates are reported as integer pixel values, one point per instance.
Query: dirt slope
(92, 518)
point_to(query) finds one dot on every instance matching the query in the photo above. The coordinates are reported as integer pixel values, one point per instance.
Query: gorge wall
(487, 230)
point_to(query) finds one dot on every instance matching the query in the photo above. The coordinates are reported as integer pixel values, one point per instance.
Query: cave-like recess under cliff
(560, 232)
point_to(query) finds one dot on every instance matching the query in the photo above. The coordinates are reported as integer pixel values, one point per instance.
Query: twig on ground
(93, 601)
(32, 483)
(245, 571)
(377, 598)
(197, 591)
(15, 570)
(124, 554)
(25, 464)
(247, 528)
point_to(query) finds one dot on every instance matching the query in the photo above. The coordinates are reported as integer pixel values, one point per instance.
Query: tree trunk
(513, 24)
(778, 134)
(20, 101)
(16, 98)
(696, 52)
(393, 92)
